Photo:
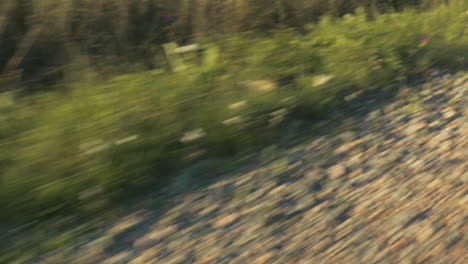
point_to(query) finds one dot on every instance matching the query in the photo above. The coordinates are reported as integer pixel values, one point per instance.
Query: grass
(124, 133)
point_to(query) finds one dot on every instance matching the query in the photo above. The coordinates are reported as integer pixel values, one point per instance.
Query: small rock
(208, 209)
(374, 114)
(226, 220)
(355, 173)
(424, 233)
(125, 224)
(435, 123)
(413, 128)
(355, 160)
(316, 143)
(155, 236)
(459, 80)
(449, 113)
(336, 171)
(399, 244)
(254, 196)
(120, 258)
(348, 136)
(305, 202)
(404, 218)
(347, 147)
(148, 254)
(314, 178)
(322, 245)
(343, 233)
(93, 256)
(264, 258)
(314, 211)
(277, 190)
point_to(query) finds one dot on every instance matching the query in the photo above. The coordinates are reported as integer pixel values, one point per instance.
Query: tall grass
(136, 129)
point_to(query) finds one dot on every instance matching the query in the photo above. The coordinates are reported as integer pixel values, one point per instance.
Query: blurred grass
(124, 132)
(128, 34)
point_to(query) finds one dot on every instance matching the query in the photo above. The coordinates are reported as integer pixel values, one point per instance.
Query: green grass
(45, 165)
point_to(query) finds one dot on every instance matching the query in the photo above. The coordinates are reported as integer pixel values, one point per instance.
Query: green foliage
(56, 145)
(125, 33)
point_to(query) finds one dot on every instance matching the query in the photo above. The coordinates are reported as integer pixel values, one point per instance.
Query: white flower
(125, 140)
(261, 85)
(193, 135)
(237, 105)
(232, 121)
(281, 112)
(94, 146)
(322, 79)
(276, 120)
